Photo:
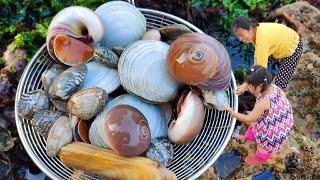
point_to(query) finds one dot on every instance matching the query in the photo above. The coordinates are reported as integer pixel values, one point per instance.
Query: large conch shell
(123, 23)
(142, 70)
(123, 128)
(190, 119)
(200, 60)
(153, 113)
(106, 163)
(72, 35)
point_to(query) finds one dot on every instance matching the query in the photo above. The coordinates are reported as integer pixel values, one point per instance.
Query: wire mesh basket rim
(165, 16)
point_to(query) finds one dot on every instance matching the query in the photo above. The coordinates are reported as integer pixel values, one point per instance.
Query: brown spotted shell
(87, 103)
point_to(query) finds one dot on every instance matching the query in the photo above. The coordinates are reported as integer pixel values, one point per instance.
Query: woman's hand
(241, 89)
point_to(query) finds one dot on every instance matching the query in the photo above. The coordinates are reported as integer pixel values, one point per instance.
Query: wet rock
(6, 91)
(15, 60)
(6, 140)
(265, 175)
(305, 19)
(5, 166)
(226, 164)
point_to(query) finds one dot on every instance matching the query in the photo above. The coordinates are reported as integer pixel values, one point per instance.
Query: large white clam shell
(99, 75)
(123, 23)
(142, 70)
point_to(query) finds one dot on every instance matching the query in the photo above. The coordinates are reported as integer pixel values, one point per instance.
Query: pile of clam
(117, 86)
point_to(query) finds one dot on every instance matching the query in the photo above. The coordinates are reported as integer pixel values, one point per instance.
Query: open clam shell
(32, 102)
(123, 23)
(72, 35)
(101, 76)
(124, 129)
(142, 70)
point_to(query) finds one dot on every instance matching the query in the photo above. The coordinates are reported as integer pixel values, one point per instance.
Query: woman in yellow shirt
(273, 43)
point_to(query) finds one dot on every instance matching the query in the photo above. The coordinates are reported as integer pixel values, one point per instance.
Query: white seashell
(101, 76)
(123, 23)
(216, 99)
(167, 109)
(142, 70)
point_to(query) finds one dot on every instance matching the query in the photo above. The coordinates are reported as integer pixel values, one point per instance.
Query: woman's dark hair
(258, 75)
(244, 22)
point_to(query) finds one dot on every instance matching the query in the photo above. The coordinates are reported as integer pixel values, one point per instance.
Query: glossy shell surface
(198, 59)
(142, 70)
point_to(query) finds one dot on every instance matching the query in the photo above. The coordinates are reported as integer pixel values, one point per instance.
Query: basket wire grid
(190, 160)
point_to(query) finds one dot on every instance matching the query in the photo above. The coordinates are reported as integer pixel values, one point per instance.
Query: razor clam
(87, 102)
(153, 113)
(99, 75)
(123, 23)
(55, 128)
(161, 151)
(32, 102)
(67, 82)
(215, 99)
(142, 70)
(49, 75)
(106, 56)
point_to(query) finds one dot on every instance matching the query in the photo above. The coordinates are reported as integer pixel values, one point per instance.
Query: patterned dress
(274, 126)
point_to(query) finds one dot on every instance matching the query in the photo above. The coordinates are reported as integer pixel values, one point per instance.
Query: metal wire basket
(190, 160)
